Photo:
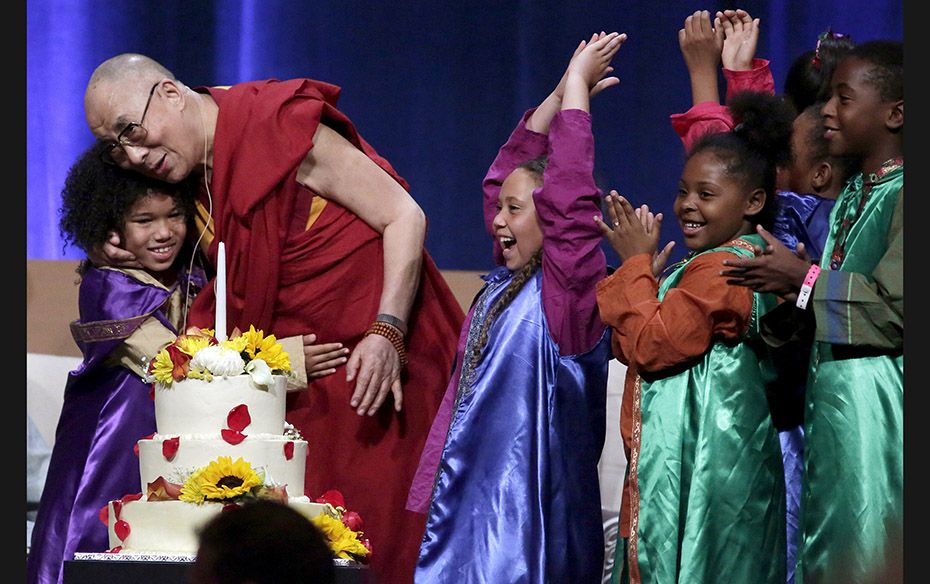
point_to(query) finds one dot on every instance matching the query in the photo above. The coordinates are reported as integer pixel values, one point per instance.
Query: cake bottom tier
(172, 526)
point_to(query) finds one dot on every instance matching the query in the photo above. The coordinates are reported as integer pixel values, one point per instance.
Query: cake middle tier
(266, 453)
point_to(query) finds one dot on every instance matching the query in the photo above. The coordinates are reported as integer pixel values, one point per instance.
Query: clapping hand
(634, 231)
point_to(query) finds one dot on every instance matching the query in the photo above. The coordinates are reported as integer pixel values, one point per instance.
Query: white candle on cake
(221, 293)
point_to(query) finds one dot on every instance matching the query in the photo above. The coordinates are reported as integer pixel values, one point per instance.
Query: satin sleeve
(573, 261)
(707, 117)
(710, 117)
(652, 335)
(865, 310)
(522, 145)
(758, 78)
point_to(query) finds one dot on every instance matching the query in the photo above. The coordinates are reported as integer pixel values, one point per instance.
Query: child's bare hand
(740, 37)
(701, 43)
(592, 63)
(653, 223)
(321, 359)
(630, 232)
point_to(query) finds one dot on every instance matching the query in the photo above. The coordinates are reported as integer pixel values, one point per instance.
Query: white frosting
(195, 412)
(193, 406)
(171, 526)
(263, 453)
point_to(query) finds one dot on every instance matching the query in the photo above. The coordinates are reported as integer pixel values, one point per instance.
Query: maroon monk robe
(288, 281)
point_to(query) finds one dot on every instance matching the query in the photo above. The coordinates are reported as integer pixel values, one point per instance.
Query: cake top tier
(204, 386)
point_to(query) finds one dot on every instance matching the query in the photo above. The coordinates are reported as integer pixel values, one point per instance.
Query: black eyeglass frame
(121, 141)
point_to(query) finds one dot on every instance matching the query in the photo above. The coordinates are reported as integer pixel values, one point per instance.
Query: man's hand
(111, 254)
(322, 359)
(774, 269)
(376, 366)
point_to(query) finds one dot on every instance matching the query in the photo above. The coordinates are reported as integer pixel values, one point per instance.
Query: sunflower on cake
(221, 440)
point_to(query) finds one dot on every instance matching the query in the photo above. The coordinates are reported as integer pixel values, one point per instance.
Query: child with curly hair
(126, 316)
(705, 482)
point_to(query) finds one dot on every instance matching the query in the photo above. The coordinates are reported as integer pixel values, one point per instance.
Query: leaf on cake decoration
(238, 418)
(163, 490)
(122, 530)
(232, 437)
(170, 447)
(289, 449)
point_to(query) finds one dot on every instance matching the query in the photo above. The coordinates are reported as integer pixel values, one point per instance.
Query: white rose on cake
(219, 360)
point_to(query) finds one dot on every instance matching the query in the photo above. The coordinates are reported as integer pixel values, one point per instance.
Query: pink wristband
(808, 286)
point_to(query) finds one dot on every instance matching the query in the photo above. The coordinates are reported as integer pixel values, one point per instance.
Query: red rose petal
(229, 507)
(352, 520)
(152, 392)
(135, 447)
(170, 447)
(132, 497)
(104, 514)
(232, 437)
(122, 530)
(115, 550)
(333, 497)
(117, 508)
(289, 449)
(238, 418)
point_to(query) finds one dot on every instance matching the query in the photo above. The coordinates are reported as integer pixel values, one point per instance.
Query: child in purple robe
(508, 476)
(126, 316)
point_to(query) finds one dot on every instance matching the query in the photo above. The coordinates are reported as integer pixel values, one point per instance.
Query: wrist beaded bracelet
(393, 334)
(808, 286)
(392, 320)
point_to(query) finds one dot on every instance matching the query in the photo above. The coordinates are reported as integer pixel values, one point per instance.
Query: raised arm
(741, 69)
(337, 170)
(701, 43)
(573, 261)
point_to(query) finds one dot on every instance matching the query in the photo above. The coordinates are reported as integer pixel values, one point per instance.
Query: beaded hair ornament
(828, 34)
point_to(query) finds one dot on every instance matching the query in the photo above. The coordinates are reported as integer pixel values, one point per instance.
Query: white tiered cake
(220, 440)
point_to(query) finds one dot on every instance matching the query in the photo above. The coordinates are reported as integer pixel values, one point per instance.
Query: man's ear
(755, 202)
(171, 91)
(895, 120)
(822, 177)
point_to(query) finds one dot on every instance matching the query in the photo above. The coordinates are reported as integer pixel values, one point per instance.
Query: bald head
(174, 122)
(129, 67)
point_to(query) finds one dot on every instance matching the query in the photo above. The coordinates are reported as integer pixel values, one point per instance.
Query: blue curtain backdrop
(435, 87)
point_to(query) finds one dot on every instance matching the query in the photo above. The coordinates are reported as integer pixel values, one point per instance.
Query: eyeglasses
(132, 135)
